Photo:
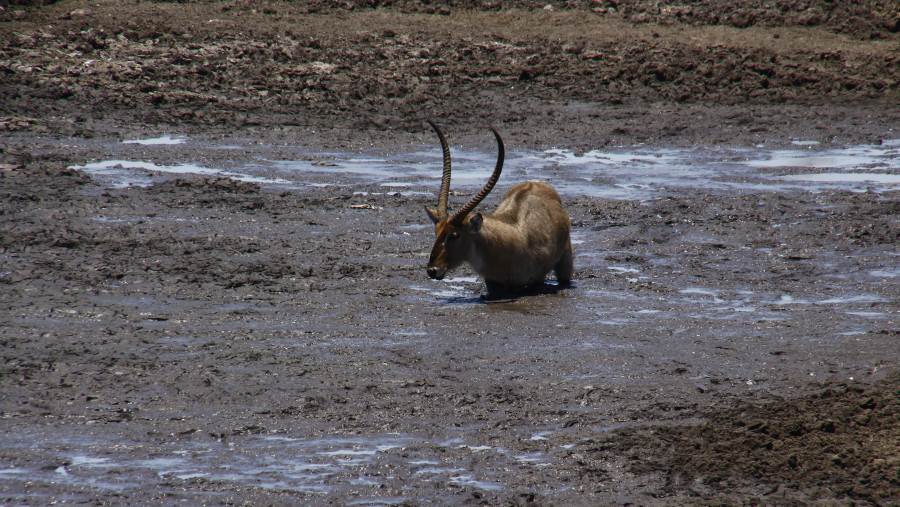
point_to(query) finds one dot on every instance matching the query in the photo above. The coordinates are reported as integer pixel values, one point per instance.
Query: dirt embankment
(71, 66)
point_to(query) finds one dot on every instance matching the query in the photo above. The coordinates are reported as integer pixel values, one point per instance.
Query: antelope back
(525, 238)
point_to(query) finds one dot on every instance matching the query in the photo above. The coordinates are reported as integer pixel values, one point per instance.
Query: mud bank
(214, 339)
(100, 68)
(232, 306)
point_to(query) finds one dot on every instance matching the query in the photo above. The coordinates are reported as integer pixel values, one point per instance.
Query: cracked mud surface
(219, 341)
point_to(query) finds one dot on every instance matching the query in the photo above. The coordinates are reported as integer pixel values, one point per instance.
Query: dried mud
(226, 342)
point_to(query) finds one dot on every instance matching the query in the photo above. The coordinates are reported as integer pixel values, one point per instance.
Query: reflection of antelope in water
(525, 238)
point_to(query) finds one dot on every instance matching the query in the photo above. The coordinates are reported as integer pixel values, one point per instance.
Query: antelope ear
(474, 223)
(432, 214)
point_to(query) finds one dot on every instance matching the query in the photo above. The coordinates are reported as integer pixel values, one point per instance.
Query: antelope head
(455, 235)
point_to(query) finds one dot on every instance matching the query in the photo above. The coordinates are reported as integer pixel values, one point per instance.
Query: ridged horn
(465, 210)
(444, 194)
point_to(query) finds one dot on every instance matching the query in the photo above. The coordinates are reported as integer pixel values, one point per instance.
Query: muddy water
(620, 173)
(702, 276)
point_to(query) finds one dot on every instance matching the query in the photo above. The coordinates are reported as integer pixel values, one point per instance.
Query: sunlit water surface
(638, 172)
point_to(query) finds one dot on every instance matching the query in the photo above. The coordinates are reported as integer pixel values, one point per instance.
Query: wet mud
(220, 296)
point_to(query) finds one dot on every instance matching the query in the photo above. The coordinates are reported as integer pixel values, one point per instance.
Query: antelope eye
(453, 235)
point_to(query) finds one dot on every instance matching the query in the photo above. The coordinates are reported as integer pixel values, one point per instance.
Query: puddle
(101, 460)
(454, 289)
(875, 178)
(127, 173)
(885, 273)
(884, 155)
(469, 480)
(166, 140)
(635, 173)
(714, 295)
(140, 219)
(862, 298)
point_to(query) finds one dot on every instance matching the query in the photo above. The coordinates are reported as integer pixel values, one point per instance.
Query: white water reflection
(452, 288)
(874, 178)
(636, 173)
(166, 140)
(126, 173)
(101, 460)
(852, 157)
(644, 172)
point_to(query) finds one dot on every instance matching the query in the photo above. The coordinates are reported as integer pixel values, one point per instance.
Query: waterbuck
(525, 238)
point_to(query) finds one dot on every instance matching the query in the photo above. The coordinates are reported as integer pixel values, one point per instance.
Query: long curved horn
(444, 194)
(465, 210)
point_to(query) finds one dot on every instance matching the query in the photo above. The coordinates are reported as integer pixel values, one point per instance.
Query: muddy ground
(229, 342)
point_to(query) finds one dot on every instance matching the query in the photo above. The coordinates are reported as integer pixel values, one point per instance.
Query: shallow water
(99, 459)
(166, 140)
(638, 172)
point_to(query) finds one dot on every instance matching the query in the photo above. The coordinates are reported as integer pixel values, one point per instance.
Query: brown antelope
(525, 238)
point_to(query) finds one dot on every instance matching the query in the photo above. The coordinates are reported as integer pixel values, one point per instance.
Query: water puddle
(453, 289)
(635, 173)
(885, 273)
(167, 140)
(852, 157)
(127, 173)
(330, 465)
(861, 298)
(871, 178)
(643, 173)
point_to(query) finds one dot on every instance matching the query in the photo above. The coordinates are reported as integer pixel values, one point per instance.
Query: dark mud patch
(839, 444)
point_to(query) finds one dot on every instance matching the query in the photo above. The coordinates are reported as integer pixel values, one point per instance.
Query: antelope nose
(436, 273)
